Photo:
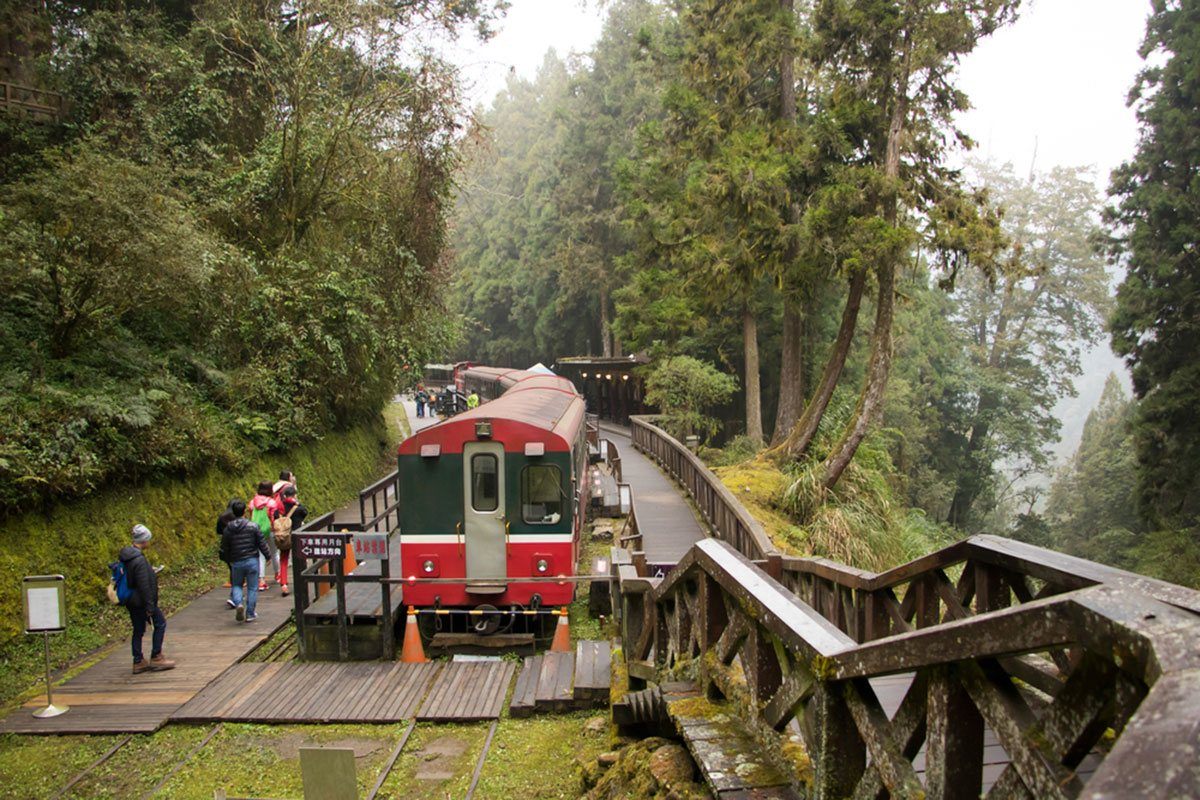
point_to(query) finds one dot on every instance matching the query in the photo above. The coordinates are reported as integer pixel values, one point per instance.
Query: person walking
(290, 507)
(431, 404)
(224, 519)
(143, 603)
(242, 545)
(472, 400)
(262, 510)
(422, 396)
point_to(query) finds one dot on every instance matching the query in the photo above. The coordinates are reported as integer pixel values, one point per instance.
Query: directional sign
(319, 545)
(371, 546)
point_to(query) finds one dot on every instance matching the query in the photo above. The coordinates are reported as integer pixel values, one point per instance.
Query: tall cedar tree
(894, 62)
(722, 212)
(1027, 329)
(1156, 325)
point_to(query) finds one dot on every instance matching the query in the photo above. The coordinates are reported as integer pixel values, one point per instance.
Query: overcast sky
(1058, 77)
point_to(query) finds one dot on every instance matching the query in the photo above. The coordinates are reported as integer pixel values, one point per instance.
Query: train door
(484, 516)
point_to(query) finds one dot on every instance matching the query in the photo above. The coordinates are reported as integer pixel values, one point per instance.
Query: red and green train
(495, 495)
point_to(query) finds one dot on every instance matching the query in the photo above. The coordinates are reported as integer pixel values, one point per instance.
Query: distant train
(494, 495)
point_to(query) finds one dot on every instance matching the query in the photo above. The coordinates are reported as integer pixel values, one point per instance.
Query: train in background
(492, 496)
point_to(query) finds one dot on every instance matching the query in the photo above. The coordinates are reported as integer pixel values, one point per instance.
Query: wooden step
(525, 693)
(554, 692)
(593, 668)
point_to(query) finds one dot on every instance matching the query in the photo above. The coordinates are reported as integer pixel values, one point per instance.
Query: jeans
(245, 571)
(138, 617)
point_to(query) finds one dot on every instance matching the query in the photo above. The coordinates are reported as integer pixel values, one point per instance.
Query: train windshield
(485, 486)
(541, 494)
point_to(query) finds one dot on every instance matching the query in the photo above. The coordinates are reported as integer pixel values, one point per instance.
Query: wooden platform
(292, 692)
(466, 691)
(559, 682)
(363, 600)
(731, 762)
(668, 525)
(204, 638)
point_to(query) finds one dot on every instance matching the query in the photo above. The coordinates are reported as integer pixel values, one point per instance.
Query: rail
(725, 516)
(1061, 658)
(377, 494)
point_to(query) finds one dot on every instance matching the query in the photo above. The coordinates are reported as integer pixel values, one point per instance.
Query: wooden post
(840, 756)
(954, 747)
(343, 632)
(300, 599)
(762, 666)
(389, 634)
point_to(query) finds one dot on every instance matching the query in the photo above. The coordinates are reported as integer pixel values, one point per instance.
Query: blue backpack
(119, 591)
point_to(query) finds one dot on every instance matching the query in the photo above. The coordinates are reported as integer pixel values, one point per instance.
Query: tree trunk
(791, 384)
(970, 479)
(754, 428)
(803, 432)
(791, 389)
(870, 404)
(606, 347)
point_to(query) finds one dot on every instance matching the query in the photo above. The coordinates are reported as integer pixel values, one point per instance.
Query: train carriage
(495, 495)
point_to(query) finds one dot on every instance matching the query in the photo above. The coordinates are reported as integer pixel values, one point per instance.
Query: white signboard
(45, 603)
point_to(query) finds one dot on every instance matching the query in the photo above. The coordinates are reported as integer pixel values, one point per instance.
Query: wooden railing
(35, 104)
(1060, 658)
(725, 516)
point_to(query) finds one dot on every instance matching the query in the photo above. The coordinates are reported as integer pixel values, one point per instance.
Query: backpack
(118, 589)
(281, 529)
(262, 519)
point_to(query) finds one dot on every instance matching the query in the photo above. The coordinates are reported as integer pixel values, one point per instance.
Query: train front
(489, 498)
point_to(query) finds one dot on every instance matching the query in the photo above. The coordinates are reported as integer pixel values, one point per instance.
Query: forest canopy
(232, 241)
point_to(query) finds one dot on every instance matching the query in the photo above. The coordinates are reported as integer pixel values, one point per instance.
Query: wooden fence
(725, 516)
(1060, 658)
(26, 101)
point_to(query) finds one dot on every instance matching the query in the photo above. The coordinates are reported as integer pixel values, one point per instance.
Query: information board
(319, 545)
(371, 546)
(45, 603)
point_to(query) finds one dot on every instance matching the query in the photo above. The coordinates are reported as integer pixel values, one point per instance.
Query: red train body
(495, 494)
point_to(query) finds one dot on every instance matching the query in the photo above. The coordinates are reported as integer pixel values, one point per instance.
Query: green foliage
(1157, 219)
(683, 389)
(234, 244)
(1092, 505)
(79, 539)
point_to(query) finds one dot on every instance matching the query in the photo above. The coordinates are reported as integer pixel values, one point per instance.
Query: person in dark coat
(143, 603)
(241, 545)
(226, 517)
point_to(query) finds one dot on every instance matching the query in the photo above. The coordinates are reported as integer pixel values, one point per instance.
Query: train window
(541, 494)
(485, 482)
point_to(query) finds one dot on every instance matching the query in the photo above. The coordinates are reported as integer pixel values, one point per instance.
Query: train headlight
(427, 567)
(542, 566)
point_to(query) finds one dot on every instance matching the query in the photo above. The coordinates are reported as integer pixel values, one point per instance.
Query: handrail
(722, 511)
(1119, 651)
(34, 103)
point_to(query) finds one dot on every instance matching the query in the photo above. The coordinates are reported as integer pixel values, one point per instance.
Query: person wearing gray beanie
(143, 603)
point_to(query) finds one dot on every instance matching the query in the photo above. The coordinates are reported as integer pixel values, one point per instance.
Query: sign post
(46, 613)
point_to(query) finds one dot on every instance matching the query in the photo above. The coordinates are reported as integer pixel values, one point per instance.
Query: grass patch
(35, 767)
(539, 757)
(263, 760)
(138, 766)
(449, 751)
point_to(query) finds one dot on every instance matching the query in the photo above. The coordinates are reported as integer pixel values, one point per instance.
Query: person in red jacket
(288, 505)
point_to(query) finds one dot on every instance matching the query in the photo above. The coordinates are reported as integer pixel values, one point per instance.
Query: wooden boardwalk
(203, 638)
(557, 682)
(667, 522)
(363, 600)
(291, 692)
(466, 691)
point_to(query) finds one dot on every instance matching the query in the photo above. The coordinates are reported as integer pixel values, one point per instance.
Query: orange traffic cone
(350, 562)
(562, 634)
(412, 652)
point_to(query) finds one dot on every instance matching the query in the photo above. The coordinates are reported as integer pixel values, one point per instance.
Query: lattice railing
(1114, 658)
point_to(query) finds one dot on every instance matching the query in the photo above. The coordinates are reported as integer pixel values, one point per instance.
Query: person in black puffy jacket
(241, 545)
(143, 603)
